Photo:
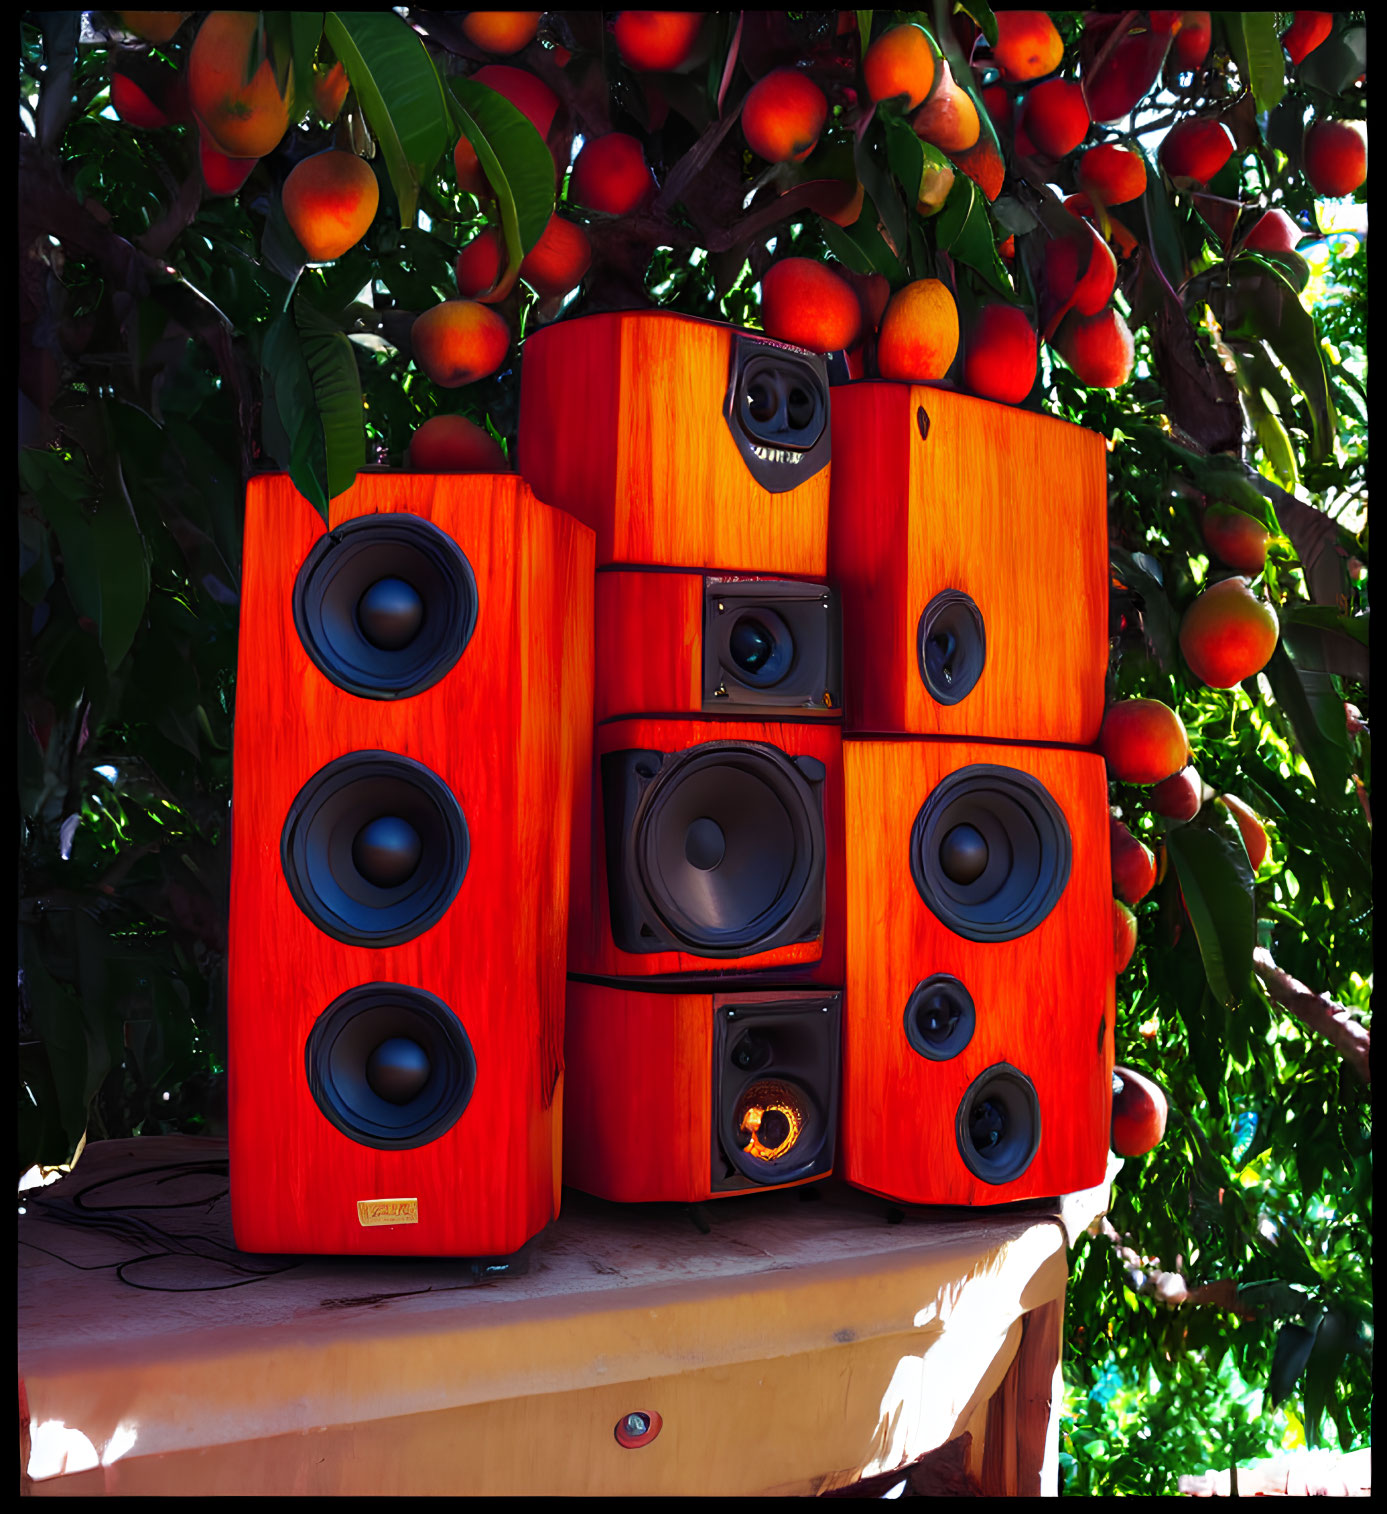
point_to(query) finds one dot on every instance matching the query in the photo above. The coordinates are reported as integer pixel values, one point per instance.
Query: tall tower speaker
(681, 442)
(696, 1094)
(413, 735)
(969, 543)
(978, 1038)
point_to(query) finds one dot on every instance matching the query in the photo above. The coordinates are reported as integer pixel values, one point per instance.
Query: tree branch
(1318, 1012)
(1145, 1277)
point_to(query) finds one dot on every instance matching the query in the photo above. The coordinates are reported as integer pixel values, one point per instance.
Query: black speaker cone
(385, 605)
(375, 848)
(391, 1066)
(952, 646)
(939, 1017)
(997, 1127)
(990, 852)
(777, 411)
(751, 644)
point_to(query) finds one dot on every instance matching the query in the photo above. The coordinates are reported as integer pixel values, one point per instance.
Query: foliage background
(146, 308)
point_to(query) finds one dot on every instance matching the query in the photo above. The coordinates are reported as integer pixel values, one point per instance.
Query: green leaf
(1336, 62)
(400, 94)
(965, 233)
(305, 33)
(880, 186)
(1316, 714)
(864, 30)
(982, 14)
(1327, 618)
(1266, 64)
(1159, 622)
(1326, 1358)
(862, 248)
(518, 167)
(313, 394)
(1216, 877)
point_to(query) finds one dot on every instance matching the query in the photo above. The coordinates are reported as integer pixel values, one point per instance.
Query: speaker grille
(998, 1124)
(385, 605)
(375, 848)
(777, 411)
(390, 1066)
(990, 852)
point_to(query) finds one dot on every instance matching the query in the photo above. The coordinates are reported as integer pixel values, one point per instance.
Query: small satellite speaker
(713, 847)
(699, 1093)
(681, 442)
(671, 643)
(969, 543)
(978, 1040)
(413, 735)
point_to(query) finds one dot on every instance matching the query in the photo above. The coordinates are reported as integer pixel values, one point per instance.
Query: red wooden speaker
(716, 644)
(413, 730)
(969, 543)
(978, 1041)
(681, 442)
(713, 846)
(698, 1094)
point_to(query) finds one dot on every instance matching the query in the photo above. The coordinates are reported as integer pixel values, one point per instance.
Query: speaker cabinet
(413, 733)
(681, 442)
(672, 643)
(698, 1095)
(969, 543)
(715, 847)
(978, 1041)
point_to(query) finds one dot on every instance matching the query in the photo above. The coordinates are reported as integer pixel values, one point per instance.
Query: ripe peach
(997, 103)
(1117, 234)
(1028, 46)
(222, 175)
(1098, 348)
(501, 32)
(153, 26)
(459, 342)
(1191, 45)
(243, 120)
(1139, 1112)
(808, 305)
(1133, 865)
(1000, 360)
(133, 105)
(1179, 796)
(1143, 741)
(453, 444)
(1080, 270)
(611, 175)
(1196, 149)
(532, 97)
(919, 333)
(1236, 538)
(900, 62)
(1130, 71)
(1305, 33)
(1253, 831)
(558, 261)
(1056, 117)
(783, 116)
(481, 263)
(1228, 634)
(949, 118)
(330, 92)
(330, 200)
(1274, 232)
(983, 164)
(1124, 937)
(656, 41)
(1335, 154)
(1112, 174)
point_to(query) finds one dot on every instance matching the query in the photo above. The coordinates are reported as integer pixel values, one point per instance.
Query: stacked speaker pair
(413, 730)
(968, 542)
(706, 937)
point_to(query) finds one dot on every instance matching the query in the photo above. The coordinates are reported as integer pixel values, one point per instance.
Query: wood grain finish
(593, 951)
(508, 729)
(649, 644)
(1009, 507)
(638, 1117)
(1044, 1001)
(621, 424)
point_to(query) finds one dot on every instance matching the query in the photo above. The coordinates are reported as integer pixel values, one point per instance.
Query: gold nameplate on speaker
(388, 1211)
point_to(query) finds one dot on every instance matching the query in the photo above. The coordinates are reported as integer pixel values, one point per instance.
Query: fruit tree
(317, 241)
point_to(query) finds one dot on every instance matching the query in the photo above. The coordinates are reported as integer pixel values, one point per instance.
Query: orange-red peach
(1112, 174)
(1179, 796)
(330, 200)
(1254, 833)
(134, 107)
(1028, 45)
(558, 261)
(611, 175)
(983, 164)
(1196, 149)
(656, 41)
(481, 263)
(1228, 634)
(808, 305)
(330, 92)
(1127, 76)
(453, 444)
(1236, 538)
(501, 32)
(1139, 1114)
(996, 101)
(1117, 233)
(222, 175)
(1273, 232)
(1335, 154)
(948, 119)
(918, 339)
(783, 116)
(1191, 45)
(1000, 360)
(1133, 864)
(1143, 741)
(532, 97)
(1056, 117)
(459, 342)
(243, 120)
(1099, 348)
(1080, 270)
(1305, 33)
(1124, 937)
(900, 62)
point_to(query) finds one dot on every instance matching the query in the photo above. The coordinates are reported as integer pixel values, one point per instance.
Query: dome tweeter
(939, 1018)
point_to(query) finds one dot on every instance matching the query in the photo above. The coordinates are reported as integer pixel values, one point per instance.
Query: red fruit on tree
(1228, 634)
(1124, 937)
(1056, 117)
(1236, 538)
(1273, 232)
(1179, 796)
(1305, 33)
(1192, 39)
(1335, 154)
(1112, 174)
(1099, 348)
(1253, 831)
(1133, 865)
(1001, 355)
(1143, 741)
(1139, 1112)
(1196, 149)
(611, 175)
